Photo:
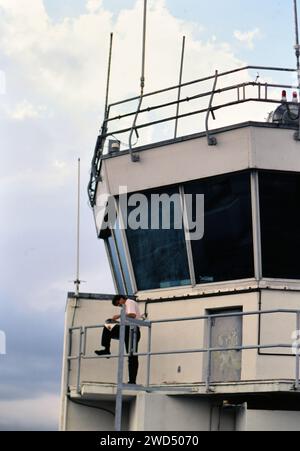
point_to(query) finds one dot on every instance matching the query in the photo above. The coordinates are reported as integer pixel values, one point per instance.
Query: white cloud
(66, 62)
(248, 37)
(40, 413)
(2, 83)
(26, 110)
(93, 5)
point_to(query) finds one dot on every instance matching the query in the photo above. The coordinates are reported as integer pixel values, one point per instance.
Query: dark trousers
(114, 334)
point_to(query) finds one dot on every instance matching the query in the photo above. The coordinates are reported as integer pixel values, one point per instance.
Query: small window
(122, 255)
(113, 254)
(280, 224)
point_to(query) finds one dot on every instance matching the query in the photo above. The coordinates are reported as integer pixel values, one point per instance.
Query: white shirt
(132, 307)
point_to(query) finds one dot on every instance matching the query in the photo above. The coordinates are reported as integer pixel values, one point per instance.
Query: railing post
(119, 397)
(79, 360)
(149, 355)
(84, 340)
(69, 360)
(208, 374)
(297, 384)
(211, 140)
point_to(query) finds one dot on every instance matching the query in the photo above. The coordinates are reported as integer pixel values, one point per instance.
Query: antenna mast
(180, 83)
(297, 50)
(297, 46)
(108, 72)
(77, 282)
(134, 157)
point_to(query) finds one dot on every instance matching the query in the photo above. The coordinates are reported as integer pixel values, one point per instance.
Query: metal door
(226, 332)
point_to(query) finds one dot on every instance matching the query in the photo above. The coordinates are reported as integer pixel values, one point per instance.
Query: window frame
(273, 282)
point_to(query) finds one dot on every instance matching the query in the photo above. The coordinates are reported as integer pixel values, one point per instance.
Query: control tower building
(219, 289)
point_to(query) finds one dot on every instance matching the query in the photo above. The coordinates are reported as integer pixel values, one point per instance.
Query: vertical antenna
(77, 282)
(134, 157)
(297, 49)
(144, 47)
(180, 82)
(108, 72)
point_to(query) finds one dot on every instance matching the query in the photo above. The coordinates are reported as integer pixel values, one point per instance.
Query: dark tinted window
(280, 224)
(159, 257)
(226, 250)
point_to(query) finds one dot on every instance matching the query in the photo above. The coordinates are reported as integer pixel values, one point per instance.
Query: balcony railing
(81, 354)
(230, 94)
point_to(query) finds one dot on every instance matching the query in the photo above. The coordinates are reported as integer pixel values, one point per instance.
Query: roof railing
(261, 94)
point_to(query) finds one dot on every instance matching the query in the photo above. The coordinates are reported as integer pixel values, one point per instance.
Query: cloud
(25, 110)
(247, 38)
(30, 414)
(2, 83)
(93, 5)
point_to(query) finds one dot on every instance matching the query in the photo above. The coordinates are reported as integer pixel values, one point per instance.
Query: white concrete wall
(157, 412)
(278, 328)
(82, 418)
(249, 147)
(268, 420)
(188, 368)
(178, 369)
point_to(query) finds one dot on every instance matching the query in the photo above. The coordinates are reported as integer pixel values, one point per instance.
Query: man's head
(119, 299)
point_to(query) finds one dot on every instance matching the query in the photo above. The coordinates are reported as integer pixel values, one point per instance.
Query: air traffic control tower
(221, 312)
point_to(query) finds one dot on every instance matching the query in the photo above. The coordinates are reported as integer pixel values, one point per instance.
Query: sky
(53, 58)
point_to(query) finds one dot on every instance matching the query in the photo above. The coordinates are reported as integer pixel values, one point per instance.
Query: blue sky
(220, 18)
(54, 60)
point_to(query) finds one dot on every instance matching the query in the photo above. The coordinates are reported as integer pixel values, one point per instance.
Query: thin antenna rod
(144, 47)
(109, 72)
(180, 82)
(297, 50)
(77, 282)
(134, 157)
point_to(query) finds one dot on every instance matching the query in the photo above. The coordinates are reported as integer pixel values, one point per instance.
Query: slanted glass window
(113, 254)
(124, 265)
(159, 255)
(226, 250)
(280, 224)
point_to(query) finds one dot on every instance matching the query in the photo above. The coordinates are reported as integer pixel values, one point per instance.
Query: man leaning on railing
(112, 331)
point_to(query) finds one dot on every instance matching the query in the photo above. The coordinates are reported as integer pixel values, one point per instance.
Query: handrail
(209, 350)
(200, 80)
(105, 132)
(205, 94)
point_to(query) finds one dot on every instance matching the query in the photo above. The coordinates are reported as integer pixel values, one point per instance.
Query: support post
(208, 373)
(79, 360)
(69, 360)
(119, 398)
(149, 355)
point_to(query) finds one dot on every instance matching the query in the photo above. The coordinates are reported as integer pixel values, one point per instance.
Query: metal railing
(239, 93)
(209, 350)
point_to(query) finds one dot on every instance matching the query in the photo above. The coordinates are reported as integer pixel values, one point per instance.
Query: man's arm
(130, 315)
